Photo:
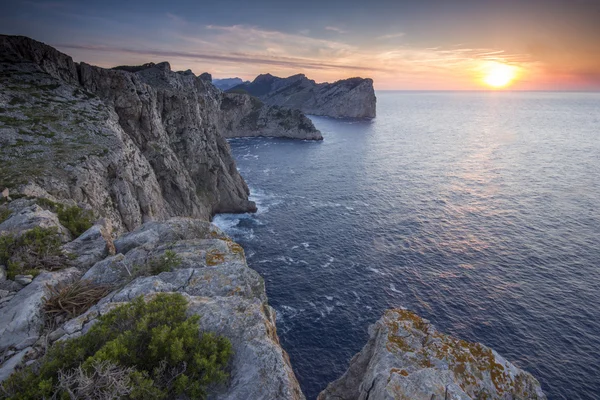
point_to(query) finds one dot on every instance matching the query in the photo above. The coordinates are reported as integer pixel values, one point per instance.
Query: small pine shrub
(153, 347)
(36, 249)
(75, 219)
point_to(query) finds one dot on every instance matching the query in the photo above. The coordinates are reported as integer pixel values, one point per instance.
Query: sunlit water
(480, 211)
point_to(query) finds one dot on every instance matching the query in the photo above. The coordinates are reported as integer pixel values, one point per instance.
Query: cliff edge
(347, 98)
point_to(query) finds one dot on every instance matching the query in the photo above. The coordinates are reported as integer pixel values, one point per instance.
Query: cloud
(391, 36)
(233, 57)
(335, 29)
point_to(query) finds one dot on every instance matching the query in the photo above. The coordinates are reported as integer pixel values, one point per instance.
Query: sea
(480, 211)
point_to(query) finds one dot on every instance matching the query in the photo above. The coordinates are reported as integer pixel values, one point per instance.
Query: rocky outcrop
(246, 116)
(211, 273)
(134, 143)
(347, 98)
(407, 358)
(227, 83)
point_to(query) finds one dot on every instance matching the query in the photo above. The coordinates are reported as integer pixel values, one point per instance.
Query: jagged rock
(229, 297)
(134, 146)
(92, 246)
(246, 116)
(5, 193)
(407, 358)
(205, 76)
(27, 216)
(21, 318)
(2, 273)
(347, 98)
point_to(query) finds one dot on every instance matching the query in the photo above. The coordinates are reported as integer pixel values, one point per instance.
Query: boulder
(407, 358)
(92, 246)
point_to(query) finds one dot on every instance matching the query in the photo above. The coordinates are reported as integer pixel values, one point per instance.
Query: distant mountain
(228, 83)
(347, 98)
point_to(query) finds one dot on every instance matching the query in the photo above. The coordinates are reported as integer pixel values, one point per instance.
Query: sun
(499, 75)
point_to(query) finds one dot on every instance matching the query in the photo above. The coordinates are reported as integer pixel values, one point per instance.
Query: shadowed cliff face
(133, 146)
(347, 98)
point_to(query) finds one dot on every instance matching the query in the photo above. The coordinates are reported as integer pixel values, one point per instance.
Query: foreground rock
(211, 272)
(407, 358)
(347, 98)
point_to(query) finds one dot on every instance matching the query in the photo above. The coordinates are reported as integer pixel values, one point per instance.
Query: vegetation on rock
(143, 350)
(4, 214)
(168, 261)
(36, 249)
(66, 301)
(75, 219)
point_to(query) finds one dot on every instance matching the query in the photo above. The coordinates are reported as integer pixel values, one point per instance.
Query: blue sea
(478, 210)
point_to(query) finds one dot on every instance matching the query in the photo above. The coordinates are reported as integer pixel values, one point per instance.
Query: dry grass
(66, 301)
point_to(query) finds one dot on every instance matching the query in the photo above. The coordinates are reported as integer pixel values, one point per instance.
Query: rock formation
(347, 98)
(245, 116)
(212, 273)
(227, 83)
(133, 143)
(407, 358)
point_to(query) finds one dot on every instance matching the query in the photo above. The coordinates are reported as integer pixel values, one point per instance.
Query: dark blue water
(480, 211)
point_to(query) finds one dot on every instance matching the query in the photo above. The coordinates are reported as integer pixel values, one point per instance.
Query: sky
(402, 45)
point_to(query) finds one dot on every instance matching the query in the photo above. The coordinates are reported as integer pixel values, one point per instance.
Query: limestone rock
(23, 279)
(347, 98)
(21, 318)
(92, 246)
(27, 215)
(245, 116)
(407, 358)
(8, 366)
(134, 146)
(214, 276)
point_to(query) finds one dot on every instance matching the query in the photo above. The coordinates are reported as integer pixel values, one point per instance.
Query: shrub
(75, 219)
(152, 347)
(38, 248)
(69, 300)
(4, 214)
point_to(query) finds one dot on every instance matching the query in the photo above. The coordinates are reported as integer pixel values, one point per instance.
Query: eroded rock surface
(347, 98)
(407, 358)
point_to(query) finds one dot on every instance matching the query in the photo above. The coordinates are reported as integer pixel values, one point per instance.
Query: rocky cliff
(211, 273)
(246, 116)
(347, 98)
(135, 144)
(407, 358)
(227, 83)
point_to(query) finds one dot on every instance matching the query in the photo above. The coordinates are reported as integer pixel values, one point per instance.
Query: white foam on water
(306, 245)
(393, 288)
(330, 298)
(376, 271)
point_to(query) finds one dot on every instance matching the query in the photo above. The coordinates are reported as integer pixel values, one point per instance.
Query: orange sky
(428, 45)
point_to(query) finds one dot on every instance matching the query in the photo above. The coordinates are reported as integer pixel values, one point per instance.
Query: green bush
(38, 248)
(4, 214)
(160, 350)
(75, 219)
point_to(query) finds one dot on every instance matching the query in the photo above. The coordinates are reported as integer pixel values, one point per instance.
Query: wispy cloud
(391, 36)
(335, 29)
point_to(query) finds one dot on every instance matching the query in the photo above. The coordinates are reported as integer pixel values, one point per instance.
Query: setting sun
(499, 75)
